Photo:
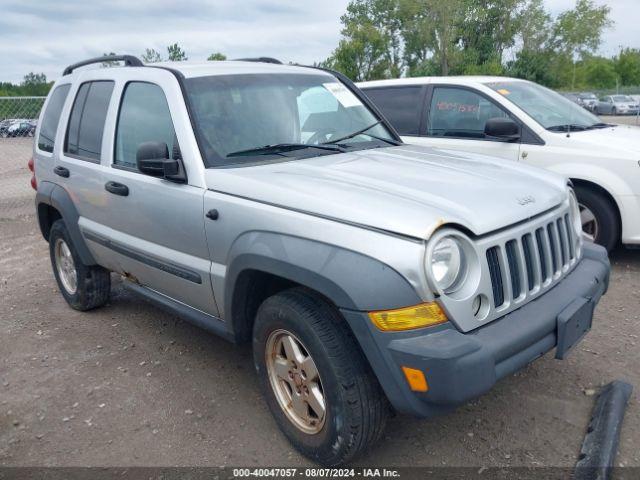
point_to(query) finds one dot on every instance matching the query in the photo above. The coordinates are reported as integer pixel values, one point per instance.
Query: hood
(408, 190)
(618, 141)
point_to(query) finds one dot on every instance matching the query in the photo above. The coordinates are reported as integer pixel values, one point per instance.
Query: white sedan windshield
(548, 108)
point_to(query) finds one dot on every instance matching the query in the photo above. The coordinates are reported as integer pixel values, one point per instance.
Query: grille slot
(542, 253)
(514, 268)
(567, 224)
(553, 246)
(495, 272)
(527, 248)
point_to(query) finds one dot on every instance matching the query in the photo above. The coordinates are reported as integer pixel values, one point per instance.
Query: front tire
(599, 218)
(317, 383)
(83, 287)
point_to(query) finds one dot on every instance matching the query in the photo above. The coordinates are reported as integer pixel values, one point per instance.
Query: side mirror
(152, 158)
(503, 129)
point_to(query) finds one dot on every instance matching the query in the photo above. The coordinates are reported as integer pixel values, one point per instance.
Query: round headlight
(447, 263)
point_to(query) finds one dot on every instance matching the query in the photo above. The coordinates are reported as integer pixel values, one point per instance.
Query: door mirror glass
(502, 129)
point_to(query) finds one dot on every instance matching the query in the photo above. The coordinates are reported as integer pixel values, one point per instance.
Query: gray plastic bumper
(459, 366)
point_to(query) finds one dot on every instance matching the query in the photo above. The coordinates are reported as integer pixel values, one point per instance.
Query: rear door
(77, 167)
(153, 227)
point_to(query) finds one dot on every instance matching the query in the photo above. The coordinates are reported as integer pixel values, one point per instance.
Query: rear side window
(400, 105)
(144, 117)
(86, 123)
(51, 118)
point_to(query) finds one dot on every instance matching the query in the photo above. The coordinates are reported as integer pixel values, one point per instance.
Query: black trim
(180, 272)
(192, 315)
(259, 60)
(129, 61)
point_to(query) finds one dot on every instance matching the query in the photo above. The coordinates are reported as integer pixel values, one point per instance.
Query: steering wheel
(321, 136)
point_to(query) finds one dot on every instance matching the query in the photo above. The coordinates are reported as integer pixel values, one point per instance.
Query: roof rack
(260, 59)
(129, 61)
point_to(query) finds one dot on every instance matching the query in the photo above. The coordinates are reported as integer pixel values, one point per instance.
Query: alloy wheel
(295, 381)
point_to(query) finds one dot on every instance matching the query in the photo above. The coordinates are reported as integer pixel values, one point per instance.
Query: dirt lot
(131, 385)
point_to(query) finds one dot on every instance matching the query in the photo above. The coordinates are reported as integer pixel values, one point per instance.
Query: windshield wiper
(360, 132)
(601, 125)
(280, 148)
(574, 127)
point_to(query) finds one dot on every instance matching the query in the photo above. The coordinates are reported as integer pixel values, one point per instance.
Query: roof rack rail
(260, 59)
(129, 61)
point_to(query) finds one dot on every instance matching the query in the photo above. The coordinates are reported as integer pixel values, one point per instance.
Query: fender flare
(50, 194)
(349, 279)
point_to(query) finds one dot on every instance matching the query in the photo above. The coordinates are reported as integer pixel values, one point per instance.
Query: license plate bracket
(573, 323)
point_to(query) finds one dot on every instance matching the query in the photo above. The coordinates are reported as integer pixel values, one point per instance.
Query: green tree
(600, 72)
(216, 56)
(151, 55)
(33, 84)
(488, 28)
(535, 24)
(627, 65)
(176, 54)
(578, 32)
(362, 54)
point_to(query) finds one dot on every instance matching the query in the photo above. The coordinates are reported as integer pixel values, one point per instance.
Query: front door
(155, 227)
(455, 120)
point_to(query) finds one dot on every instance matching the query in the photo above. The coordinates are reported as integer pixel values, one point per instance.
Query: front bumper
(459, 366)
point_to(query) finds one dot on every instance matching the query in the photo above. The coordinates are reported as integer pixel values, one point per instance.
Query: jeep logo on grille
(526, 200)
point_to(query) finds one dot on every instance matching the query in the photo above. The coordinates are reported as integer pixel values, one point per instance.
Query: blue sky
(45, 35)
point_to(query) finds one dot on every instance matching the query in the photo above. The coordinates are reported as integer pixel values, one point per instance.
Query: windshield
(622, 98)
(262, 117)
(548, 108)
(588, 96)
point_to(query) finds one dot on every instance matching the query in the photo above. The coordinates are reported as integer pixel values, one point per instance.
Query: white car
(521, 121)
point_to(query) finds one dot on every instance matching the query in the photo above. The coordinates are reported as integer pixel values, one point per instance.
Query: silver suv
(273, 204)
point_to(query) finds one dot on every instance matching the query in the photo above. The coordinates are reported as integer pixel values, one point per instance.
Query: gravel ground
(130, 385)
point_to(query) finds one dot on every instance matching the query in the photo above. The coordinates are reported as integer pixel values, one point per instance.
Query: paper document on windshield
(343, 94)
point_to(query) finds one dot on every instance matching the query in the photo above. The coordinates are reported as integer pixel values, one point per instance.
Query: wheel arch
(263, 263)
(54, 203)
(577, 182)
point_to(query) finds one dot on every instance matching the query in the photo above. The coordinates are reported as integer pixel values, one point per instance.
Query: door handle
(61, 171)
(117, 188)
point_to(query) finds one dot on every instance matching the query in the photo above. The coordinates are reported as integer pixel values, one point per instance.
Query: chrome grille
(522, 266)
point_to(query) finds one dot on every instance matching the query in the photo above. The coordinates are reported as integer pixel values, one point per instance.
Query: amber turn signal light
(408, 318)
(416, 379)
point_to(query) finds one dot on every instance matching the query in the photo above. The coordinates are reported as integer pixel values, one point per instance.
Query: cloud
(46, 35)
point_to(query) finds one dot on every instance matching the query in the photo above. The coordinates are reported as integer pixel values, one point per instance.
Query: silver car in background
(617, 105)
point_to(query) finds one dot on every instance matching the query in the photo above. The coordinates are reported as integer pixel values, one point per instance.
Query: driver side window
(460, 113)
(144, 117)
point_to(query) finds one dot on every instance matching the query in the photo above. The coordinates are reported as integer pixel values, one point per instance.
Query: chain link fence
(18, 120)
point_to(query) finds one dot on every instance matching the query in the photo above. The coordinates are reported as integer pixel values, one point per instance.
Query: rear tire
(355, 410)
(83, 287)
(598, 211)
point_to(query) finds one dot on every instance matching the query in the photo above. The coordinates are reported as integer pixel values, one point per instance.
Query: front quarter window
(237, 114)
